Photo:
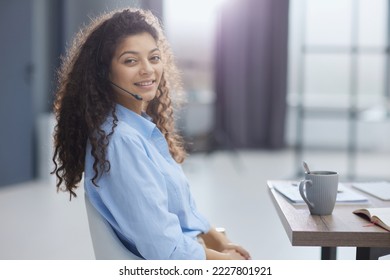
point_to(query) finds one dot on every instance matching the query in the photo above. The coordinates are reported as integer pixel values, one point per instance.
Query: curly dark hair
(84, 97)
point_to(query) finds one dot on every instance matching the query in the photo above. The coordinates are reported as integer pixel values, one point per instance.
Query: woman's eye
(155, 58)
(130, 61)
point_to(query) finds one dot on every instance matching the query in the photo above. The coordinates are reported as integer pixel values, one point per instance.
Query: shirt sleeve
(134, 191)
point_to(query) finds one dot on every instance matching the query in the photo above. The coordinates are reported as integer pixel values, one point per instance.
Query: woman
(115, 123)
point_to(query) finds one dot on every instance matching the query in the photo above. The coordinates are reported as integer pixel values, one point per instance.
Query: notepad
(291, 191)
(380, 189)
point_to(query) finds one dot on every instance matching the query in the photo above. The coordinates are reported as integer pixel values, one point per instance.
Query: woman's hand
(226, 255)
(230, 247)
(219, 243)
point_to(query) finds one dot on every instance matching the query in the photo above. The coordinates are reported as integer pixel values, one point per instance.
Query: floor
(229, 187)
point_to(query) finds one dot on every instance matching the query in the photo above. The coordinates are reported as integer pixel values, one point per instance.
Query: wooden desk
(341, 229)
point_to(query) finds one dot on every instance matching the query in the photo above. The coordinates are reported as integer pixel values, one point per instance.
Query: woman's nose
(146, 68)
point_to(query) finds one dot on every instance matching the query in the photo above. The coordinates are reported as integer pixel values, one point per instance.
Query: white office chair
(106, 244)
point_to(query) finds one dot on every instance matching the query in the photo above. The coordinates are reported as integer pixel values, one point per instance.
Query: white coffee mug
(319, 191)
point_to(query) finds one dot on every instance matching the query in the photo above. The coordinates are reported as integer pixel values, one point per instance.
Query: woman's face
(136, 67)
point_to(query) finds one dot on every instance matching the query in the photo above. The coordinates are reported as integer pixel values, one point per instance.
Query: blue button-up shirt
(145, 195)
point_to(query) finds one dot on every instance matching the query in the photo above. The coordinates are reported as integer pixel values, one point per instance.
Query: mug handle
(302, 189)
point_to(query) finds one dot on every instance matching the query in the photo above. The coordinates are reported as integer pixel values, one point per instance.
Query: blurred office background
(267, 84)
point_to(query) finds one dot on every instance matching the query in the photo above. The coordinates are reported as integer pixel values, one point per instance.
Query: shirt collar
(142, 123)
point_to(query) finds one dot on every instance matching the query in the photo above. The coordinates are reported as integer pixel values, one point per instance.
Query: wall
(16, 75)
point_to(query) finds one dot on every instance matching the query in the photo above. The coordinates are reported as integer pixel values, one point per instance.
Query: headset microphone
(136, 96)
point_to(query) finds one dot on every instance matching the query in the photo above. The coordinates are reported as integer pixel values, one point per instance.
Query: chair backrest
(106, 243)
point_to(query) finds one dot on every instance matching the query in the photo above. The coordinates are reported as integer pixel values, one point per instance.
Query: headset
(136, 96)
